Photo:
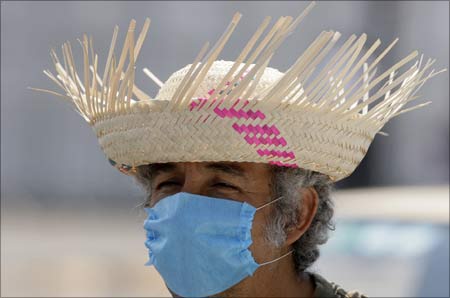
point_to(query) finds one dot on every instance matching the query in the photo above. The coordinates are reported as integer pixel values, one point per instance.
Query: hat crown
(213, 77)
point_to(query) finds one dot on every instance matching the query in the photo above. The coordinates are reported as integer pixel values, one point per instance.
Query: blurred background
(71, 225)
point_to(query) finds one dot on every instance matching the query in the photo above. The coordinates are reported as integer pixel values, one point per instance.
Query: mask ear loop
(266, 204)
(277, 259)
(286, 254)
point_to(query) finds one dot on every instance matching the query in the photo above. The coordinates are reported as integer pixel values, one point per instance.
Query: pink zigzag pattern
(232, 113)
(265, 131)
(278, 153)
(282, 164)
(265, 140)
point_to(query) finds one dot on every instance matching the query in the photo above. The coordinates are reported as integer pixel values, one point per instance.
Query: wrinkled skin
(251, 183)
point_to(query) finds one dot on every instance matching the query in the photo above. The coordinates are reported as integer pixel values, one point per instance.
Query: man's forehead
(243, 169)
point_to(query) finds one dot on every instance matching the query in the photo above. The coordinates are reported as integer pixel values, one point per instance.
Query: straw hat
(315, 115)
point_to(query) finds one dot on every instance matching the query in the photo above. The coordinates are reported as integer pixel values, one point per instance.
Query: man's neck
(279, 281)
(292, 285)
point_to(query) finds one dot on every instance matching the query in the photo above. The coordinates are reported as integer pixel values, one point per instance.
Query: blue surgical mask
(199, 244)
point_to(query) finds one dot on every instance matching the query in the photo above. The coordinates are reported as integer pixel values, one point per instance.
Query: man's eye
(224, 185)
(167, 184)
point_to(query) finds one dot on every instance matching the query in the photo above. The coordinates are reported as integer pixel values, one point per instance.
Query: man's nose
(192, 188)
(194, 182)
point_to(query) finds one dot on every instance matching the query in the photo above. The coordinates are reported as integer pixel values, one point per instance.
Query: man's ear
(306, 212)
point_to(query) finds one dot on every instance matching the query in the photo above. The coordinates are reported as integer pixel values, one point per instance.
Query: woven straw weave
(315, 115)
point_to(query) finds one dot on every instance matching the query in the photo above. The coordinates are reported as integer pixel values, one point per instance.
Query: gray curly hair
(286, 182)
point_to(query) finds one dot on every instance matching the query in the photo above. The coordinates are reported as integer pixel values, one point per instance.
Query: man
(238, 158)
(299, 221)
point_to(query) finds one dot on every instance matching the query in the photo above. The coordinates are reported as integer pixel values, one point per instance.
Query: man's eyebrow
(227, 168)
(158, 168)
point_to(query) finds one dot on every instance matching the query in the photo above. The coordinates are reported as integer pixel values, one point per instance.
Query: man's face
(242, 182)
